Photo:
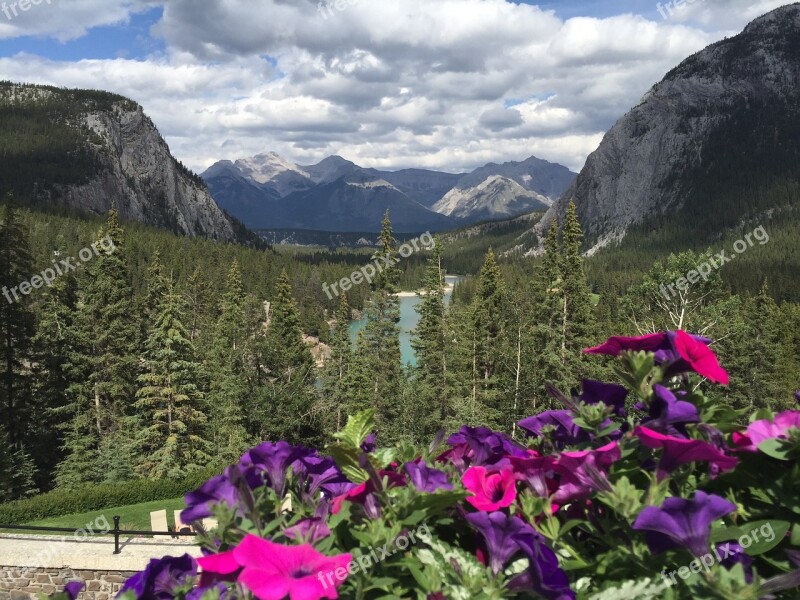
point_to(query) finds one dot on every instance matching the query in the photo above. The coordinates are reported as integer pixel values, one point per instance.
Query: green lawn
(135, 516)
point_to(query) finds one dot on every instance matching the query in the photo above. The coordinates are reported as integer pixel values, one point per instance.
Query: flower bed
(642, 491)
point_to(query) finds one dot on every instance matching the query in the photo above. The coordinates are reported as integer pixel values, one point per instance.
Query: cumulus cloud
(450, 84)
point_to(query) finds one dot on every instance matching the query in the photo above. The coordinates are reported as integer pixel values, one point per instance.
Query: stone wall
(27, 584)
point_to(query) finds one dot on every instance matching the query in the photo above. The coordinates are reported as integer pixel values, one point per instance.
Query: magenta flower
(700, 357)
(779, 428)
(618, 344)
(678, 451)
(682, 523)
(536, 471)
(218, 568)
(272, 572)
(583, 473)
(491, 490)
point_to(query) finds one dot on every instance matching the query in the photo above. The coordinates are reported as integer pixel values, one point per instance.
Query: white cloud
(449, 84)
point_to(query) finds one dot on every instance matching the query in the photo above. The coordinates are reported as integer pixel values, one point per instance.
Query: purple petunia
(217, 490)
(321, 475)
(610, 394)
(544, 575)
(161, 578)
(273, 460)
(73, 588)
(499, 533)
(682, 523)
(566, 433)
(427, 479)
(668, 415)
(480, 446)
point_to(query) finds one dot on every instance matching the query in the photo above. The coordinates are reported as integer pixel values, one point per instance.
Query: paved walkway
(95, 553)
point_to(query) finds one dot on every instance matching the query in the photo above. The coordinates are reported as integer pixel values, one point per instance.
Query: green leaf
(776, 448)
(795, 541)
(358, 428)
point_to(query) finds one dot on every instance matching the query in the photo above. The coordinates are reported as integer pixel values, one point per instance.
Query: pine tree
(16, 324)
(103, 366)
(333, 405)
(228, 392)
(381, 341)
(488, 327)
(431, 408)
(288, 373)
(578, 324)
(171, 442)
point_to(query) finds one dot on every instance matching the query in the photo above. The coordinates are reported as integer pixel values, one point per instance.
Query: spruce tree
(334, 402)
(228, 394)
(380, 350)
(170, 400)
(103, 366)
(431, 408)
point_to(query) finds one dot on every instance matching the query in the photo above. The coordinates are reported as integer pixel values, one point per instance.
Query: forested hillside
(159, 357)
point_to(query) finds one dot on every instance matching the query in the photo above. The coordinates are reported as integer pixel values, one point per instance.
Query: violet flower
(480, 446)
(498, 531)
(668, 415)
(426, 479)
(273, 460)
(161, 578)
(217, 490)
(73, 588)
(732, 554)
(682, 523)
(322, 475)
(567, 433)
(610, 394)
(544, 576)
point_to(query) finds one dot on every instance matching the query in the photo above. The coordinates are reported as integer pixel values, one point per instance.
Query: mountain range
(268, 192)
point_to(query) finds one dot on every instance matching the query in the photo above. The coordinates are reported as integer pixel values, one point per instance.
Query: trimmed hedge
(98, 496)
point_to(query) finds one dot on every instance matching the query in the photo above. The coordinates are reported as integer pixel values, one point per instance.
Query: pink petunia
(272, 571)
(491, 490)
(679, 451)
(619, 344)
(761, 431)
(701, 358)
(218, 567)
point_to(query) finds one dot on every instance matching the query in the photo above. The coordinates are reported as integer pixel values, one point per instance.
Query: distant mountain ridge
(268, 192)
(92, 150)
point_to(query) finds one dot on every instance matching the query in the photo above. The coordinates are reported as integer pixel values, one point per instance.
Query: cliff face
(125, 161)
(652, 161)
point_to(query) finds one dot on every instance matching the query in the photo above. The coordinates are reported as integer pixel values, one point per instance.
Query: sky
(439, 84)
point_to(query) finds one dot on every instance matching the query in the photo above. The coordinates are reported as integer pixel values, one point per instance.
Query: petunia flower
(566, 433)
(73, 588)
(365, 495)
(498, 531)
(732, 554)
(199, 593)
(217, 490)
(682, 523)
(312, 529)
(321, 475)
(218, 568)
(761, 431)
(480, 447)
(583, 473)
(668, 415)
(274, 461)
(426, 479)
(491, 490)
(543, 576)
(700, 357)
(161, 578)
(610, 394)
(616, 345)
(538, 472)
(272, 571)
(678, 451)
